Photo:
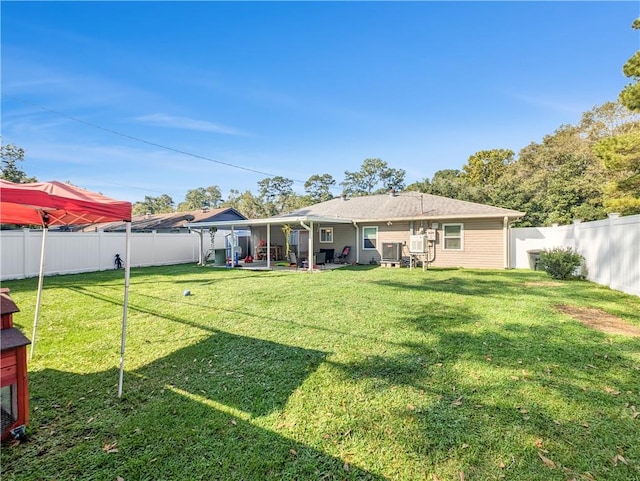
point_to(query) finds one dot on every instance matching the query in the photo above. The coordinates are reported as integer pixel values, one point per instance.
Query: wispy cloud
(185, 123)
(548, 103)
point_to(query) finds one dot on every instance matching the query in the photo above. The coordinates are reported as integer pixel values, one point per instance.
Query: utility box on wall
(14, 393)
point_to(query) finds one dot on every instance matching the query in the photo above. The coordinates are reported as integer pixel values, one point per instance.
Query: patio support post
(310, 244)
(233, 247)
(312, 258)
(268, 246)
(201, 255)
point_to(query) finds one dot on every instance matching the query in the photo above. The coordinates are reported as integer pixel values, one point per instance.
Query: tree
(246, 203)
(11, 156)
(621, 156)
(392, 179)
(630, 95)
(610, 118)
(559, 179)
(487, 166)
(199, 198)
(372, 173)
(318, 188)
(446, 183)
(276, 194)
(154, 205)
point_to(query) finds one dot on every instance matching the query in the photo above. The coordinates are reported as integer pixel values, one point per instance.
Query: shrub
(559, 262)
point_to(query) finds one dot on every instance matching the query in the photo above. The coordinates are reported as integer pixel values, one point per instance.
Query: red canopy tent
(55, 203)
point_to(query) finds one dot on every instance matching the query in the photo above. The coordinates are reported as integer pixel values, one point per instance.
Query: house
(393, 228)
(176, 222)
(170, 222)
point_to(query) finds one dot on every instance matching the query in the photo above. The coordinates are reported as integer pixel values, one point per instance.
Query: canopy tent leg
(39, 296)
(127, 268)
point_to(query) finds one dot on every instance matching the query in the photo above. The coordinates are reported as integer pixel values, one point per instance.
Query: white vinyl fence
(611, 248)
(73, 252)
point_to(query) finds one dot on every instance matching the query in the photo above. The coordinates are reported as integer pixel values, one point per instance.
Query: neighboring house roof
(404, 205)
(169, 221)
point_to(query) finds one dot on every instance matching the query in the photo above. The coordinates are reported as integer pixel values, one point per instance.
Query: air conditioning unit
(391, 252)
(418, 244)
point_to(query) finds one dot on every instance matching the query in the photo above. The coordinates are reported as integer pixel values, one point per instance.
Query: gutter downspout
(201, 253)
(507, 241)
(357, 242)
(311, 260)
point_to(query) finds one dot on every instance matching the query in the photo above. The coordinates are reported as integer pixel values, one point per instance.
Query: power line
(138, 139)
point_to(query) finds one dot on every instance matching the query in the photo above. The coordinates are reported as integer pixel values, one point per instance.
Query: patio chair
(293, 261)
(342, 257)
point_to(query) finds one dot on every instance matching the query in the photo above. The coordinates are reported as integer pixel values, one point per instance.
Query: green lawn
(357, 373)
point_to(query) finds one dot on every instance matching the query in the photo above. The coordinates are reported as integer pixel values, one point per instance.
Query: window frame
(366, 238)
(446, 237)
(328, 230)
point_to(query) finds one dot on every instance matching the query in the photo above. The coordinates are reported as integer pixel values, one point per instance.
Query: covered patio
(270, 240)
(279, 266)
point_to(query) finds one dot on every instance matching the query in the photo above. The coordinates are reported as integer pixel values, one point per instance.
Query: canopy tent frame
(56, 203)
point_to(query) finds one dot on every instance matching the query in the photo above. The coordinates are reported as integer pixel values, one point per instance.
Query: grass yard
(357, 373)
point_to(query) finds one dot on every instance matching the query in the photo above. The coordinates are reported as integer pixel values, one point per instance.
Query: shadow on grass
(251, 375)
(189, 415)
(516, 382)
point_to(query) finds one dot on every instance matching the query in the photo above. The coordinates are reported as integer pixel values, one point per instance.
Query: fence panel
(625, 255)
(73, 252)
(611, 248)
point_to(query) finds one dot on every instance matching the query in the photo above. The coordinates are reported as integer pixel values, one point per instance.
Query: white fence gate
(611, 248)
(73, 252)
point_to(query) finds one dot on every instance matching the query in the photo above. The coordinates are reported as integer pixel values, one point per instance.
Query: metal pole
(127, 266)
(39, 296)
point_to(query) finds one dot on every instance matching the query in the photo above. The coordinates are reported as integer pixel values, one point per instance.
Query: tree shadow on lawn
(189, 415)
(504, 284)
(559, 383)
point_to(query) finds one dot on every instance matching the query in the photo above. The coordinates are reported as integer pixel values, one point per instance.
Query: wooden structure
(13, 370)
(275, 250)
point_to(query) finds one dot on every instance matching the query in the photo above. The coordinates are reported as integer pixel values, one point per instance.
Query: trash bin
(220, 257)
(534, 258)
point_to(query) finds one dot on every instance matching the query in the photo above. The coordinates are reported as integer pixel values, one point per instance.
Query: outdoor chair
(342, 257)
(293, 261)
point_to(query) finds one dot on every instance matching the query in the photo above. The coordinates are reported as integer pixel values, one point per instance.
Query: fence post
(99, 263)
(610, 251)
(27, 254)
(154, 236)
(577, 223)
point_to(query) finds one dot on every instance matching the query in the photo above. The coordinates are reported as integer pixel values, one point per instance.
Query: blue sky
(294, 88)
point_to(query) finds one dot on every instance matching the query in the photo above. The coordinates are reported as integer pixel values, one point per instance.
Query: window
(369, 237)
(326, 235)
(453, 237)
